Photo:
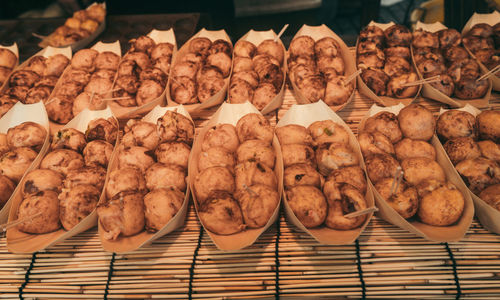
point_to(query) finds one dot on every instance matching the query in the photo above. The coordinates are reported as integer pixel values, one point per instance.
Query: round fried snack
(487, 123)
(421, 168)
(263, 95)
(351, 200)
(216, 157)
(121, 180)
(6, 189)
(417, 122)
(456, 123)
(62, 161)
(442, 206)
(176, 153)
(490, 150)
(42, 180)
(174, 127)
(254, 126)
(160, 206)
(27, 134)
(44, 202)
(14, 163)
(221, 214)
(301, 174)
(326, 132)
(69, 138)
(91, 175)
(244, 49)
(461, 148)
(165, 176)
(97, 153)
(84, 60)
(479, 173)
(297, 154)
(76, 204)
(250, 173)
(308, 204)
(335, 156)
(404, 199)
(491, 195)
(379, 166)
(375, 143)
(302, 46)
(7, 58)
(4, 145)
(102, 129)
(386, 123)
(256, 150)
(221, 135)
(293, 134)
(141, 133)
(59, 110)
(258, 203)
(408, 148)
(353, 175)
(212, 179)
(135, 157)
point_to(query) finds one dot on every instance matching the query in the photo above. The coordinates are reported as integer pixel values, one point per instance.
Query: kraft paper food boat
(131, 243)
(219, 97)
(15, 50)
(383, 100)
(490, 19)
(488, 216)
(432, 93)
(230, 114)
(305, 115)
(122, 112)
(83, 42)
(99, 47)
(21, 242)
(317, 33)
(450, 233)
(256, 37)
(20, 113)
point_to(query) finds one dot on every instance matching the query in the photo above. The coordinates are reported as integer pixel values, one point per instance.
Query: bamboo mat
(386, 262)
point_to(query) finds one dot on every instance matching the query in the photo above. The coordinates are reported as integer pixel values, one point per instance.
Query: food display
(8, 61)
(483, 40)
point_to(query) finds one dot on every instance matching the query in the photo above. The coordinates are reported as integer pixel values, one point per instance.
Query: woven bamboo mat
(385, 262)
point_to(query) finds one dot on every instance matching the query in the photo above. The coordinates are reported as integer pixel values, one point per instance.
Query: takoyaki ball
(263, 95)
(6, 103)
(6, 189)
(215, 157)
(221, 135)
(128, 179)
(331, 65)
(242, 64)
(449, 38)
(374, 143)
(486, 57)
(37, 64)
(89, 25)
(408, 148)
(249, 173)
(207, 72)
(163, 63)
(41, 180)
(107, 60)
(372, 33)
(128, 68)
(254, 126)
(475, 43)
(298, 73)
(421, 54)
(416, 122)
(141, 133)
(396, 86)
(482, 29)
(84, 60)
(490, 150)
(269, 72)
(140, 58)
(49, 81)
(461, 148)
(469, 88)
(80, 77)
(69, 138)
(38, 94)
(487, 124)
(45, 205)
(380, 166)
(208, 87)
(491, 195)
(26, 134)
(220, 60)
(142, 44)
(160, 206)
(4, 74)
(398, 51)
(467, 68)
(148, 91)
(97, 152)
(442, 206)
(251, 77)
(430, 67)
(256, 150)
(386, 123)
(326, 46)
(365, 47)
(128, 83)
(244, 49)
(200, 46)
(297, 154)
(76, 204)
(308, 61)
(62, 161)
(68, 90)
(456, 123)
(23, 77)
(404, 200)
(7, 58)
(397, 35)
(350, 200)
(123, 214)
(135, 157)
(165, 176)
(162, 49)
(221, 214)
(455, 53)
(240, 91)
(87, 100)
(213, 179)
(445, 85)
(154, 74)
(395, 65)
(308, 204)
(371, 60)
(258, 203)
(272, 48)
(326, 132)
(176, 153)
(422, 38)
(91, 175)
(183, 90)
(174, 127)
(19, 92)
(301, 46)
(479, 173)
(102, 129)
(313, 87)
(301, 174)
(376, 80)
(125, 99)
(293, 134)
(334, 156)
(4, 145)
(55, 65)
(417, 169)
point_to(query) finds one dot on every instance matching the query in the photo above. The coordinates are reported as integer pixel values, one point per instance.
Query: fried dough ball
(298, 72)
(479, 173)
(240, 91)
(210, 180)
(148, 91)
(44, 202)
(417, 169)
(55, 65)
(244, 49)
(221, 135)
(254, 126)
(76, 204)
(372, 33)
(185, 69)
(308, 204)
(301, 174)
(491, 195)
(272, 48)
(293, 134)
(125, 179)
(200, 46)
(164, 176)
(398, 51)
(37, 94)
(301, 46)
(69, 138)
(263, 95)
(208, 72)
(258, 204)
(176, 153)
(160, 206)
(249, 173)
(89, 25)
(429, 67)
(19, 92)
(242, 64)
(128, 68)
(37, 64)
(107, 60)
(374, 143)
(490, 150)
(481, 29)
(173, 126)
(6, 103)
(102, 129)
(256, 150)
(416, 122)
(128, 83)
(162, 49)
(220, 60)
(408, 148)
(380, 166)
(163, 63)
(297, 154)
(326, 46)
(183, 90)
(215, 157)
(487, 123)
(221, 214)
(467, 68)
(123, 214)
(441, 206)
(353, 175)
(97, 152)
(62, 161)
(373, 60)
(376, 80)
(325, 132)
(84, 60)
(153, 74)
(469, 88)
(427, 53)
(41, 180)
(455, 54)
(456, 123)
(404, 200)
(69, 90)
(337, 92)
(208, 87)
(60, 110)
(140, 58)
(368, 47)
(334, 156)
(397, 35)
(395, 65)
(7, 58)
(26, 134)
(127, 99)
(461, 148)
(445, 85)
(6, 189)
(23, 77)
(141, 44)
(135, 157)
(449, 38)
(251, 77)
(349, 200)
(49, 81)
(422, 38)
(91, 175)
(141, 133)
(4, 145)
(4, 74)
(14, 163)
